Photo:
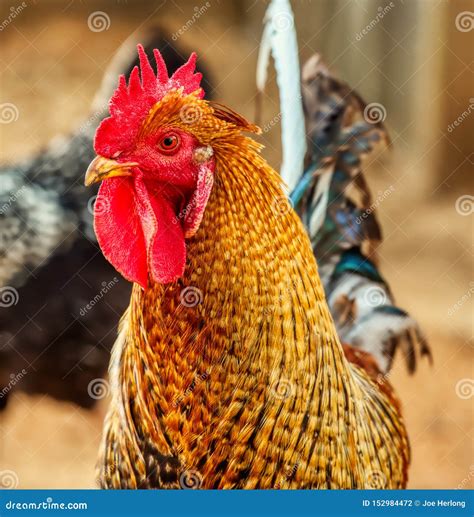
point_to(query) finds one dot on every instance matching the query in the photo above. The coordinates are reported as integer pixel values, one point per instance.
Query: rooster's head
(156, 161)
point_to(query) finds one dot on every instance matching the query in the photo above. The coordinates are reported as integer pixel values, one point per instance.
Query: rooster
(228, 371)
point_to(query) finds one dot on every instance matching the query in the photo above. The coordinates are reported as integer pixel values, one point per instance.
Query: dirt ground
(427, 258)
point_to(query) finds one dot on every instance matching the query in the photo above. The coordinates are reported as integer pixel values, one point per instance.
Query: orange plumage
(233, 376)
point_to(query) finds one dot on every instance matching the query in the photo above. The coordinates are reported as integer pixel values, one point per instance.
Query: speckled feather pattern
(250, 387)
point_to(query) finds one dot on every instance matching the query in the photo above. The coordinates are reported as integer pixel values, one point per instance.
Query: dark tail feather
(334, 202)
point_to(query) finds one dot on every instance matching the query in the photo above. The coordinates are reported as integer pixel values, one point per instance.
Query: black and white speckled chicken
(57, 322)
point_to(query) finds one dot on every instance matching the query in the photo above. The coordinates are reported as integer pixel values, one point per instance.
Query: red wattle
(119, 230)
(139, 233)
(199, 199)
(165, 238)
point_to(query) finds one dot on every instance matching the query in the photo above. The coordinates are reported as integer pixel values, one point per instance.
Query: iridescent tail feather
(343, 227)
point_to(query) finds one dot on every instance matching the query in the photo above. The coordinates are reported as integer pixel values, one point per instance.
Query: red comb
(131, 102)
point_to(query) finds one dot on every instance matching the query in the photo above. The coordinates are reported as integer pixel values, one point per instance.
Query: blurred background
(415, 60)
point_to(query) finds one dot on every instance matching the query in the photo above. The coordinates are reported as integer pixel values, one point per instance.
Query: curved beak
(103, 168)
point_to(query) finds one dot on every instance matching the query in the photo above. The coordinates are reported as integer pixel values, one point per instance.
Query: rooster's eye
(169, 143)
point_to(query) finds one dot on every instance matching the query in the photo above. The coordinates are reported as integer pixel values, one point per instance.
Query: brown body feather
(249, 387)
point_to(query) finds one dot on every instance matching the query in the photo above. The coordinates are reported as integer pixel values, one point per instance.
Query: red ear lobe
(199, 199)
(119, 231)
